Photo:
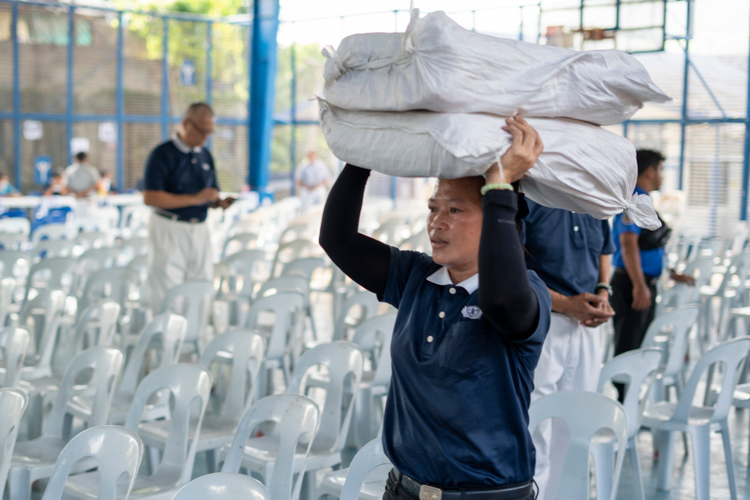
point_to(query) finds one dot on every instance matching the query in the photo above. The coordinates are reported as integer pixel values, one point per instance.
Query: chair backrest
(135, 216)
(369, 304)
(91, 240)
(12, 258)
(246, 350)
(730, 353)
(117, 452)
(15, 225)
(105, 313)
(285, 284)
(188, 384)
(169, 330)
(14, 342)
(374, 336)
(223, 486)
(96, 259)
(636, 367)
(679, 321)
(113, 284)
(52, 302)
(418, 242)
(52, 248)
(290, 251)
(136, 246)
(368, 458)
(192, 300)
(7, 289)
(61, 272)
(296, 419)
(103, 365)
(600, 413)
(344, 363)
(245, 263)
(14, 241)
(702, 270)
(239, 242)
(283, 306)
(13, 402)
(304, 267)
(53, 231)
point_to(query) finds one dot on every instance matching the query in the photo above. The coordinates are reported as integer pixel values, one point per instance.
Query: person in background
(81, 178)
(6, 188)
(180, 185)
(639, 262)
(56, 185)
(105, 183)
(312, 178)
(571, 253)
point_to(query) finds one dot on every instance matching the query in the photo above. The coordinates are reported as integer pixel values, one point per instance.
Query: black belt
(425, 492)
(175, 217)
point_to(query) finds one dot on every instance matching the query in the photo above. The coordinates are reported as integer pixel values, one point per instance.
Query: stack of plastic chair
(52, 231)
(353, 483)
(733, 295)
(223, 486)
(291, 284)
(7, 290)
(193, 300)
(13, 402)
(94, 260)
(239, 242)
(35, 459)
(293, 250)
(15, 225)
(665, 418)
(14, 242)
(634, 369)
(131, 248)
(14, 342)
(15, 264)
(115, 451)
(600, 413)
(343, 361)
(368, 305)
(55, 272)
(134, 220)
(49, 305)
(244, 269)
(296, 420)
(244, 350)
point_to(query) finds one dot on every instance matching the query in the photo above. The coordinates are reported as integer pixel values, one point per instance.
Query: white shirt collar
(441, 277)
(182, 146)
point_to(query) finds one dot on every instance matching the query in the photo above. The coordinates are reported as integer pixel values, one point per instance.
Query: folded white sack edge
(640, 210)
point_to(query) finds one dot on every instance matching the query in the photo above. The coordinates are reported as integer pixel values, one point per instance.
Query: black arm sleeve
(363, 259)
(505, 295)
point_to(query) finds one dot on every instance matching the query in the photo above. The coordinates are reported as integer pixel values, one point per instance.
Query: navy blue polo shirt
(176, 168)
(457, 410)
(564, 248)
(652, 261)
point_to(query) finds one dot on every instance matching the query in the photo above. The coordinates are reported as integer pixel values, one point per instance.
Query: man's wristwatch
(603, 286)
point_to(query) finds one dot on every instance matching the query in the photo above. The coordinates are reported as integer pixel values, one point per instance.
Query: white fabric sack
(437, 65)
(583, 168)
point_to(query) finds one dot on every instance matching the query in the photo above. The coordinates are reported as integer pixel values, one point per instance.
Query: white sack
(583, 168)
(437, 65)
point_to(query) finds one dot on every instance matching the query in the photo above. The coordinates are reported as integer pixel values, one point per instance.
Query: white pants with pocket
(570, 361)
(178, 252)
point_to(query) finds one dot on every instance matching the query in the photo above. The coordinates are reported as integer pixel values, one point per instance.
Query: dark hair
(55, 175)
(647, 158)
(198, 107)
(81, 156)
(3, 174)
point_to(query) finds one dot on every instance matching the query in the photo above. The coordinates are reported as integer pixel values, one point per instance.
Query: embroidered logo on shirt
(471, 312)
(206, 167)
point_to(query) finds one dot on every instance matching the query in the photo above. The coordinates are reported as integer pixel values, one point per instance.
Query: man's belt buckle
(430, 493)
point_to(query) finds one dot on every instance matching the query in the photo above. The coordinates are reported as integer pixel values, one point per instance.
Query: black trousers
(630, 325)
(394, 492)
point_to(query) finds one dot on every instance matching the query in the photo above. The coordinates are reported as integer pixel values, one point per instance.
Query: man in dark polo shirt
(571, 253)
(180, 184)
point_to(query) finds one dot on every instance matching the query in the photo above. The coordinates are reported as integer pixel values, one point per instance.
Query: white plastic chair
(193, 301)
(132, 248)
(55, 231)
(284, 307)
(93, 260)
(223, 486)
(35, 459)
(304, 267)
(15, 225)
(368, 304)
(55, 272)
(113, 284)
(600, 413)
(16, 263)
(166, 331)
(134, 218)
(7, 290)
(245, 269)
(352, 483)
(52, 248)
(239, 242)
(664, 418)
(13, 402)
(14, 242)
(632, 368)
(296, 420)
(343, 361)
(90, 240)
(14, 342)
(117, 453)
(244, 349)
(50, 304)
(290, 251)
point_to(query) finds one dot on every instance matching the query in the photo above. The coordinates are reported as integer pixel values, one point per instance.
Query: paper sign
(32, 130)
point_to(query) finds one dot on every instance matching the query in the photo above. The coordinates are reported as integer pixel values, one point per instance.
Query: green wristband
(502, 185)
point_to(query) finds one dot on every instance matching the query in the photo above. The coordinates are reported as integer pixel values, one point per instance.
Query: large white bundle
(583, 168)
(437, 65)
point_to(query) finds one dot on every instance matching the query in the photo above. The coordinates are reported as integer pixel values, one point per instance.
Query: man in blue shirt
(571, 253)
(638, 261)
(180, 184)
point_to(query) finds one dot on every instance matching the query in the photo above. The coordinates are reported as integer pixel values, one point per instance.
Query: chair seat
(264, 449)
(372, 489)
(214, 433)
(42, 385)
(39, 455)
(659, 415)
(86, 486)
(742, 396)
(740, 312)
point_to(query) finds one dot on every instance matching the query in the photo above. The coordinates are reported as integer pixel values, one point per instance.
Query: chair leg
(701, 437)
(19, 483)
(604, 463)
(665, 446)
(636, 466)
(153, 458)
(308, 486)
(728, 459)
(211, 461)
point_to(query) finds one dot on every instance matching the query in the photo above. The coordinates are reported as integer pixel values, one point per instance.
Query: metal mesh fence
(95, 64)
(52, 144)
(102, 154)
(229, 149)
(140, 138)
(187, 57)
(231, 75)
(6, 58)
(6, 148)
(142, 52)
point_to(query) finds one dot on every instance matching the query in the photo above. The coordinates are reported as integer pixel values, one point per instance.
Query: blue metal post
(293, 117)
(120, 106)
(746, 155)
(69, 84)
(165, 80)
(685, 73)
(262, 91)
(16, 99)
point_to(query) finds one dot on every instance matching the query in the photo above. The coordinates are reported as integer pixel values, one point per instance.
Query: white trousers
(570, 361)
(177, 252)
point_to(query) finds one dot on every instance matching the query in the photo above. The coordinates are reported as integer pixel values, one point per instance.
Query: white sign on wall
(108, 132)
(79, 144)
(32, 130)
